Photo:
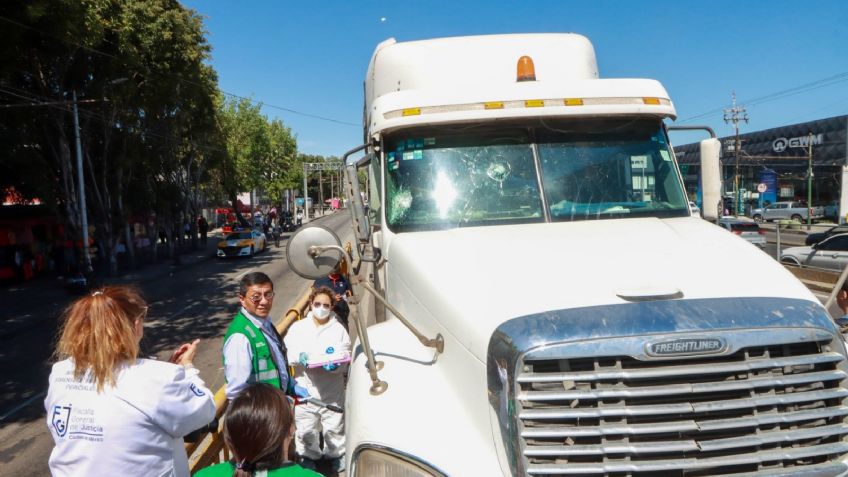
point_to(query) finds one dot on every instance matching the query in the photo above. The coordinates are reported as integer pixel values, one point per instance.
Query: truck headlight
(387, 463)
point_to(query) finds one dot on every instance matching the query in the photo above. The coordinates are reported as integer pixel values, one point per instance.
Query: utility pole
(810, 182)
(321, 190)
(305, 208)
(734, 115)
(86, 259)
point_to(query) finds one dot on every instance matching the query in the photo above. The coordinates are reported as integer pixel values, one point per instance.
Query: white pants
(310, 421)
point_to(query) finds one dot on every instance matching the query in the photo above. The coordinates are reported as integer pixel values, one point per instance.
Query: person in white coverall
(309, 341)
(111, 413)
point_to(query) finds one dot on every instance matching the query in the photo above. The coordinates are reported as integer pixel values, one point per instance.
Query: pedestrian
(111, 413)
(340, 285)
(253, 351)
(258, 431)
(321, 347)
(203, 227)
(299, 217)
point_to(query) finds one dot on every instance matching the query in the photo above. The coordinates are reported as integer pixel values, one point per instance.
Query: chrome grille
(767, 410)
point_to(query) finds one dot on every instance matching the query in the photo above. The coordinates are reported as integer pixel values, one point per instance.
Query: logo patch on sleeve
(197, 391)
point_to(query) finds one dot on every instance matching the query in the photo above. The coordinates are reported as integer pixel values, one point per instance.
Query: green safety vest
(226, 469)
(264, 370)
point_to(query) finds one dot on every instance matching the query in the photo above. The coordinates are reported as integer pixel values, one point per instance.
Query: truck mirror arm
(374, 257)
(377, 386)
(438, 343)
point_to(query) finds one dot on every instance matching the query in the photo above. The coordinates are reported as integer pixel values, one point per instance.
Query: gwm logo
(686, 347)
(781, 144)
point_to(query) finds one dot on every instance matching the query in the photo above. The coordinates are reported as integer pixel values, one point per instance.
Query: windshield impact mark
(590, 169)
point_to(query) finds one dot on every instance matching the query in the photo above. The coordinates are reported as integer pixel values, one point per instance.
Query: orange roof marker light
(526, 69)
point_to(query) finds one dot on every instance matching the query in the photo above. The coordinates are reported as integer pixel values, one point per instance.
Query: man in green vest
(253, 350)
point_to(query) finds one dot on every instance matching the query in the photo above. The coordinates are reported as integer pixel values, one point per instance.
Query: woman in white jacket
(316, 339)
(111, 413)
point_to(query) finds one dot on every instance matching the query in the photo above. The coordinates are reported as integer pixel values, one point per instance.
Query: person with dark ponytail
(258, 430)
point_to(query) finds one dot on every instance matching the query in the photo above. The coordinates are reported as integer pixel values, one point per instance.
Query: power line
(147, 132)
(813, 85)
(178, 77)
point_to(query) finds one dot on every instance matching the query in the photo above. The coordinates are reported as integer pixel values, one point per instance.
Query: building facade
(771, 165)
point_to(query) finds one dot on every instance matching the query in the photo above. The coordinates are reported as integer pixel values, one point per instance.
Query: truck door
(773, 211)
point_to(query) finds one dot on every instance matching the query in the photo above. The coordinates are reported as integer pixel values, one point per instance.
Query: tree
(149, 134)
(259, 150)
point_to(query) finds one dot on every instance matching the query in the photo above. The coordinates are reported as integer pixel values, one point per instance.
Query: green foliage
(150, 134)
(260, 151)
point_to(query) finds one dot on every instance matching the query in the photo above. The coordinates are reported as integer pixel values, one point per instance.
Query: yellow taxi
(242, 243)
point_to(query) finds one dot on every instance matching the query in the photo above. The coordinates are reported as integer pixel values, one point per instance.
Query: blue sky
(311, 57)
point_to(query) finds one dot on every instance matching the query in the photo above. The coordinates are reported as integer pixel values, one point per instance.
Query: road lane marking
(245, 273)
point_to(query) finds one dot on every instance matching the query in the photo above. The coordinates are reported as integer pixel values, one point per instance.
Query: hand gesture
(184, 355)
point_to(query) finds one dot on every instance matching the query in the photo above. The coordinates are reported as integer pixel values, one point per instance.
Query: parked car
(787, 210)
(694, 209)
(746, 229)
(242, 244)
(819, 236)
(831, 253)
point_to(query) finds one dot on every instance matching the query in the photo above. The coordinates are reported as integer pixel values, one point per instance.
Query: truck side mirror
(361, 225)
(313, 252)
(711, 178)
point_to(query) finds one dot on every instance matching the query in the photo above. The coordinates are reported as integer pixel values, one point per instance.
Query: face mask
(320, 312)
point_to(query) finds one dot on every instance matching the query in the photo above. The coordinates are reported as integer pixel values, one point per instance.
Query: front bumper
(224, 252)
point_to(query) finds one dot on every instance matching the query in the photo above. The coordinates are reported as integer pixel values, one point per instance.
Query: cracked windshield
(589, 169)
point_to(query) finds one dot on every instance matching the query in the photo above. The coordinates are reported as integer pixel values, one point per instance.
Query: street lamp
(81, 178)
(81, 186)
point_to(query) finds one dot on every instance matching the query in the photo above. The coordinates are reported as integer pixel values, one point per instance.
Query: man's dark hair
(253, 278)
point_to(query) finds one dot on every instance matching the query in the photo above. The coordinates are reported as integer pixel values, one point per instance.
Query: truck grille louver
(768, 410)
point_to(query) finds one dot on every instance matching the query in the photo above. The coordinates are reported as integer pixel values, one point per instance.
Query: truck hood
(470, 280)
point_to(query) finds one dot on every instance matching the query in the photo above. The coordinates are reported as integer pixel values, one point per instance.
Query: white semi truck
(551, 307)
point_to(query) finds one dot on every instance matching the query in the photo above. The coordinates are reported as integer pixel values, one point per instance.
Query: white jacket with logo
(305, 336)
(135, 428)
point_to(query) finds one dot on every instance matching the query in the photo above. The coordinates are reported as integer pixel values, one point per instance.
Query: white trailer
(529, 223)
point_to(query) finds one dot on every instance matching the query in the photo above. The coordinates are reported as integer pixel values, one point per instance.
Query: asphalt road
(196, 301)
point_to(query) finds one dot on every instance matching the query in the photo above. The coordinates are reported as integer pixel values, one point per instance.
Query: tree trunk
(129, 246)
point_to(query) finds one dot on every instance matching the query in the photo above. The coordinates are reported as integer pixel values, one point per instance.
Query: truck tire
(758, 218)
(797, 218)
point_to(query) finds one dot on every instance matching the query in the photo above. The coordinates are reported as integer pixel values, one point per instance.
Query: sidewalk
(20, 303)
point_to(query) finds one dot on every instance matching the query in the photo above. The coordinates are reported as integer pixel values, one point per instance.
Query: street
(196, 300)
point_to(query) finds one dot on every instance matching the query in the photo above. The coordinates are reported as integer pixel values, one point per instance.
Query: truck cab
(532, 216)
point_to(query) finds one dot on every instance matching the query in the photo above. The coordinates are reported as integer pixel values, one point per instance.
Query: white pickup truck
(797, 211)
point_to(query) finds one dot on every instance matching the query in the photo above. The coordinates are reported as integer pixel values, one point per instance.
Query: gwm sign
(781, 144)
